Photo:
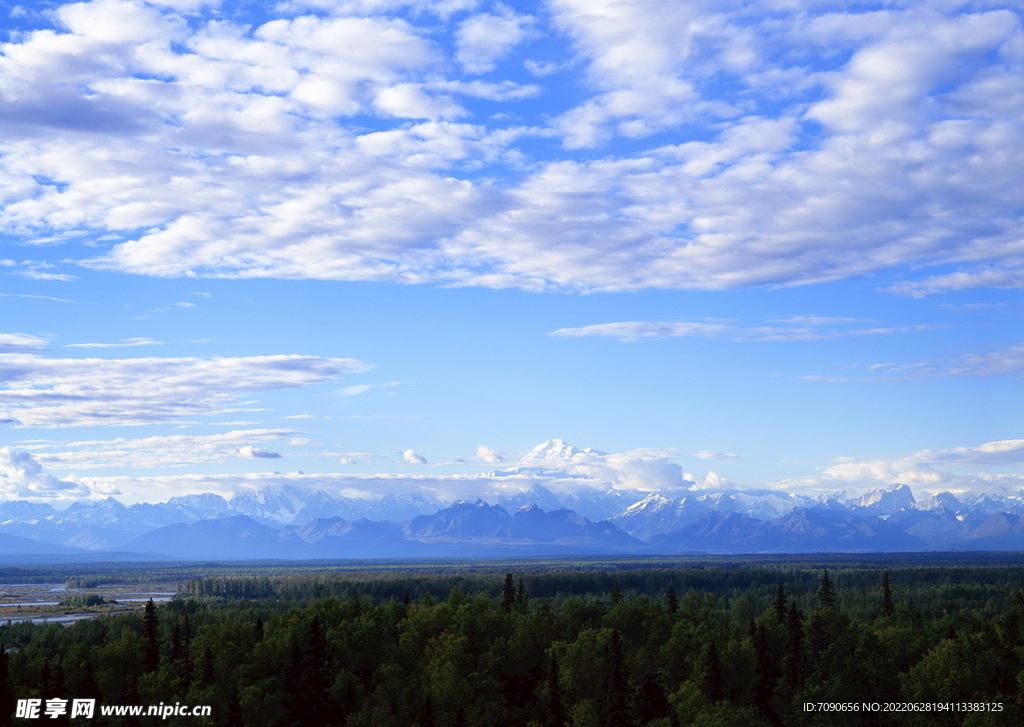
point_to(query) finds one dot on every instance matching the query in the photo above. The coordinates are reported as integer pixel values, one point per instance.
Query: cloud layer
(177, 450)
(697, 145)
(69, 392)
(958, 469)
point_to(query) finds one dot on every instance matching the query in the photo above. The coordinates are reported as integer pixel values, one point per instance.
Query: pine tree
(888, 608)
(709, 669)
(152, 642)
(794, 663)
(508, 594)
(615, 684)
(826, 593)
(616, 594)
(6, 695)
(780, 604)
(522, 597)
(672, 600)
(765, 672)
(554, 711)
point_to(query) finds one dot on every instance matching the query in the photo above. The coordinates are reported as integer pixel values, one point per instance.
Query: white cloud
(20, 342)
(257, 453)
(127, 343)
(714, 454)
(1005, 362)
(628, 331)
(635, 330)
(483, 39)
(955, 469)
(22, 476)
(178, 450)
(797, 144)
(42, 392)
(412, 458)
(488, 455)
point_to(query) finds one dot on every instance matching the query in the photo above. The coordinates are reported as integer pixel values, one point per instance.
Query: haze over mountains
(291, 522)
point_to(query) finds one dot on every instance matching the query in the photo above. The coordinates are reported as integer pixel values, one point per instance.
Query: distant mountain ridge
(290, 522)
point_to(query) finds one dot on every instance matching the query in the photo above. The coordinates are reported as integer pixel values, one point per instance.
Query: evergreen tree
(780, 604)
(709, 670)
(651, 700)
(888, 608)
(826, 593)
(554, 712)
(672, 600)
(522, 597)
(7, 699)
(794, 659)
(152, 634)
(615, 684)
(765, 673)
(508, 594)
(616, 594)
(232, 714)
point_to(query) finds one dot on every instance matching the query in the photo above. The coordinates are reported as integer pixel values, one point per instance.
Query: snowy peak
(553, 449)
(941, 501)
(887, 501)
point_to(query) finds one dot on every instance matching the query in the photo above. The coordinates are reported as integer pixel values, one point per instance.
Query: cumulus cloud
(485, 38)
(957, 469)
(22, 476)
(41, 392)
(412, 458)
(767, 144)
(488, 455)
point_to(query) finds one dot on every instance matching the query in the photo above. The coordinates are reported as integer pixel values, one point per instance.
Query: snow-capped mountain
(574, 496)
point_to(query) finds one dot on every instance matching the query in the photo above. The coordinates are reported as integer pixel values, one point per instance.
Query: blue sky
(763, 244)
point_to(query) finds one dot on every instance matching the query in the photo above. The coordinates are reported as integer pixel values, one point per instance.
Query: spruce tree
(888, 608)
(522, 597)
(780, 604)
(672, 600)
(794, 646)
(709, 669)
(6, 695)
(615, 683)
(616, 594)
(152, 642)
(826, 593)
(508, 594)
(554, 711)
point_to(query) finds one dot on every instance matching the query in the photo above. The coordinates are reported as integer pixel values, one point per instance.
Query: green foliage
(84, 600)
(743, 645)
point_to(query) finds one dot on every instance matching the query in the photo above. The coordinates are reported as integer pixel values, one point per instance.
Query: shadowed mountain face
(234, 537)
(465, 529)
(802, 531)
(293, 523)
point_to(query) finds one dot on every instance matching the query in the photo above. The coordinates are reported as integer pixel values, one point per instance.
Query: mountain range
(284, 522)
(289, 522)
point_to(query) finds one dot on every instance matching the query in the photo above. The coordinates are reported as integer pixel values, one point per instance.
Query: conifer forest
(742, 645)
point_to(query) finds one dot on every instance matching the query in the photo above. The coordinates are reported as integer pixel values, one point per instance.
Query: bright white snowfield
(382, 247)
